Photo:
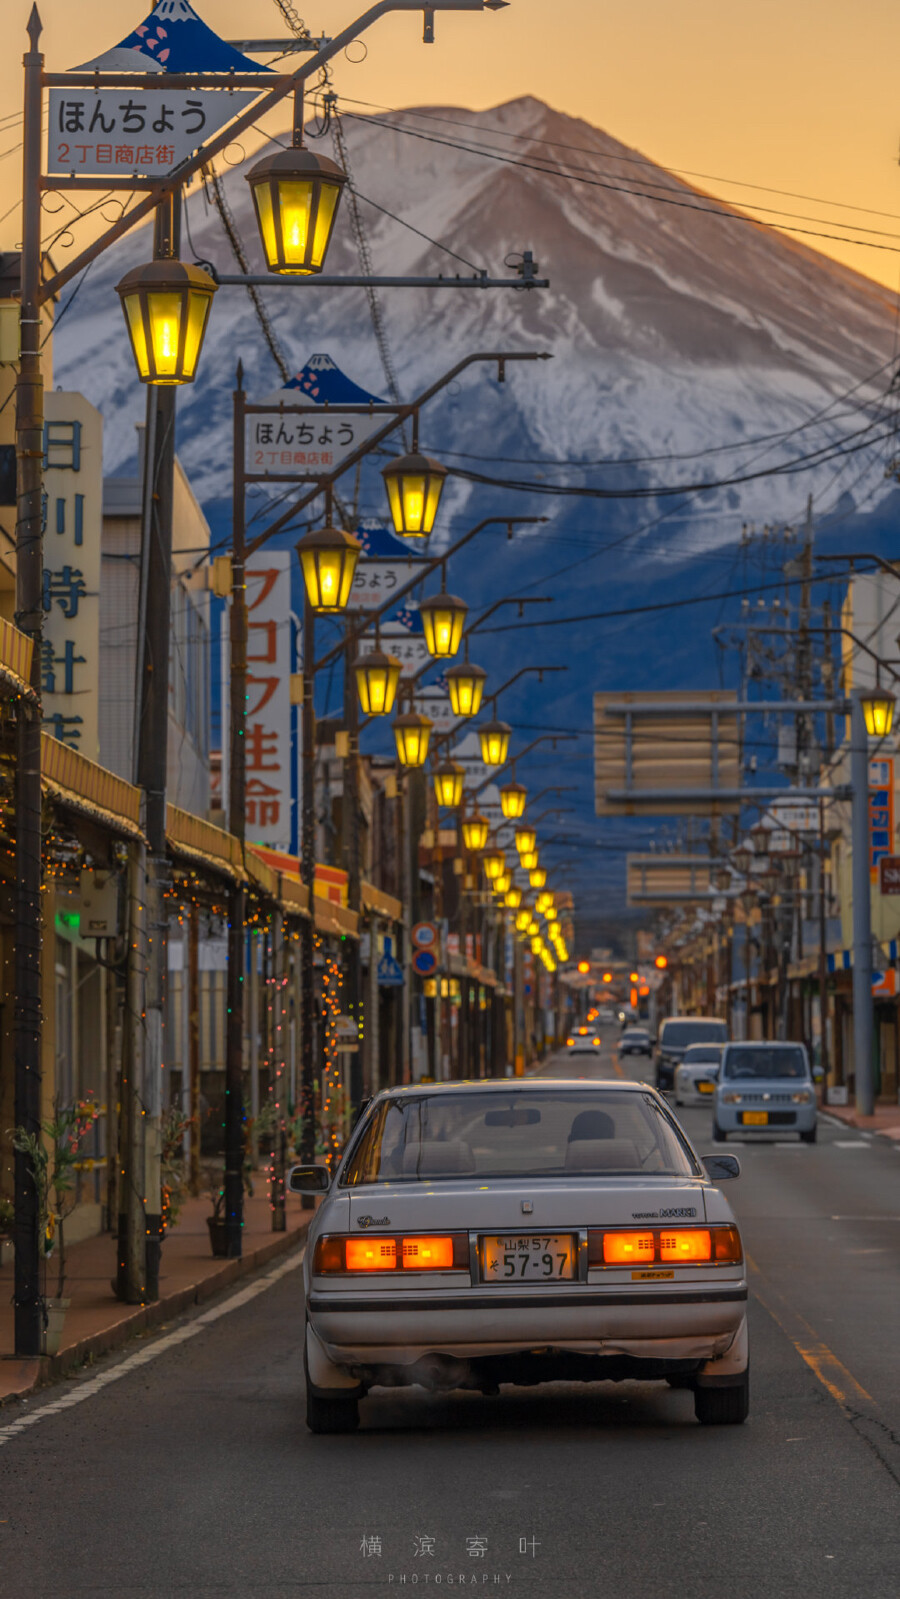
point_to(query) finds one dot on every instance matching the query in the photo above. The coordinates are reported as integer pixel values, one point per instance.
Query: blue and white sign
(390, 972)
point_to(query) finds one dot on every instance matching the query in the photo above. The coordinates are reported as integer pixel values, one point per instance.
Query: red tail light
(670, 1246)
(415, 1252)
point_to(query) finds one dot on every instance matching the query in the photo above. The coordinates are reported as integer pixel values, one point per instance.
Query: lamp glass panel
(135, 316)
(265, 216)
(493, 865)
(295, 198)
(197, 313)
(503, 883)
(448, 787)
(165, 309)
(465, 695)
(325, 213)
(475, 833)
(494, 747)
(538, 877)
(412, 744)
(395, 501)
(526, 838)
(528, 859)
(512, 801)
(879, 715)
(377, 688)
(443, 630)
(523, 921)
(513, 898)
(432, 500)
(412, 488)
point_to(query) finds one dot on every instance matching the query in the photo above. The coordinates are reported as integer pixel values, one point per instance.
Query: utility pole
(863, 1010)
(823, 957)
(350, 821)
(308, 873)
(237, 818)
(29, 1306)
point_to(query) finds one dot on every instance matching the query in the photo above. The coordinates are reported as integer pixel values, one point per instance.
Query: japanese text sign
(71, 514)
(881, 810)
(267, 729)
(304, 443)
(144, 131)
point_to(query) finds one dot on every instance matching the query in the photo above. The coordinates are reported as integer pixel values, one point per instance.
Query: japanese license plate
(705, 1087)
(755, 1118)
(528, 1257)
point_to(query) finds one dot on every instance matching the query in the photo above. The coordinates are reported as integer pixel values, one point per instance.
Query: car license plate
(528, 1257)
(755, 1118)
(705, 1088)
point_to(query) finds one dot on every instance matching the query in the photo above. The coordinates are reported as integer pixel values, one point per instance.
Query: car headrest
(592, 1124)
(602, 1154)
(437, 1159)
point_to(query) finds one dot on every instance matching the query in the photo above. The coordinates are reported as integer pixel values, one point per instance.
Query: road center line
(160, 1346)
(822, 1362)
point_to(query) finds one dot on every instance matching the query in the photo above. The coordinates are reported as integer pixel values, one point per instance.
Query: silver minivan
(765, 1087)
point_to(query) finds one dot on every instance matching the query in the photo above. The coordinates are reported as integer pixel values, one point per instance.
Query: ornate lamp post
(166, 305)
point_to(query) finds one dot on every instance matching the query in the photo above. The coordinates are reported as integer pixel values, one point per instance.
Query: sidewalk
(885, 1122)
(96, 1321)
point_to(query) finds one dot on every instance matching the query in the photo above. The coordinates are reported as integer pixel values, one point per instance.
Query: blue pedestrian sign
(390, 972)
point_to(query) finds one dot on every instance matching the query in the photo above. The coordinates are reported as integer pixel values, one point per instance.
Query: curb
(42, 1370)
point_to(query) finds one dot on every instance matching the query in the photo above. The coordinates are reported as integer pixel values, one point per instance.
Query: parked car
(765, 1086)
(635, 1041)
(695, 1078)
(475, 1234)
(676, 1034)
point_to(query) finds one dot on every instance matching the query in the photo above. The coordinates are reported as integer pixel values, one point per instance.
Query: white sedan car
(583, 1041)
(532, 1231)
(697, 1074)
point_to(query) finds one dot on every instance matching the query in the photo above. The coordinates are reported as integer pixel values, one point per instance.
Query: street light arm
(451, 733)
(542, 738)
(399, 415)
(285, 86)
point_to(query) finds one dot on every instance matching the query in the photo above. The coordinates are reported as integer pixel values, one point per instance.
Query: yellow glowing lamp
(502, 884)
(166, 305)
(548, 961)
(494, 738)
(523, 920)
(513, 897)
(537, 944)
(661, 962)
(411, 735)
(448, 783)
(533, 928)
(528, 859)
(377, 676)
(538, 876)
(475, 830)
(466, 686)
(512, 800)
(494, 863)
(584, 967)
(543, 900)
(607, 977)
(296, 194)
(328, 557)
(443, 616)
(414, 486)
(551, 913)
(526, 839)
(878, 709)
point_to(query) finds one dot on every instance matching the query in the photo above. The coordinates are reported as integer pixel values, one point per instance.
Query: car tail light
(371, 1254)
(686, 1244)
(570, 1042)
(416, 1252)
(596, 1040)
(727, 1244)
(626, 1249)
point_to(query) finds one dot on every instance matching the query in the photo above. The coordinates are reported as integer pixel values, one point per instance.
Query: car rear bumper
(696, 1322)
(782, 1118)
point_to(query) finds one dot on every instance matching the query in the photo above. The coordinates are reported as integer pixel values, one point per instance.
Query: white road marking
(142, 1357)
(849, 1143)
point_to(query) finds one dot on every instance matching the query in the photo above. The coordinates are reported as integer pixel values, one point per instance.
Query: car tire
(723, 1407)
(331, 1415)
(810, 1137)
(718, 1135)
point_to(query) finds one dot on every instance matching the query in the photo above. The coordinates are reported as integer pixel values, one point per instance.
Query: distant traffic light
(661, 963)
(607, 977)
(634, 977)
(584, 967)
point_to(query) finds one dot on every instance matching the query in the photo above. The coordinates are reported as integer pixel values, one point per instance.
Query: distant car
(765, 1087)
(635, 1041)
(582, 1041)
(606, 1014)
(695, 1078)
(676, 1034)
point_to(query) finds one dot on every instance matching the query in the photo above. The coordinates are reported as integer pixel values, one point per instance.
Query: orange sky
(800, 95)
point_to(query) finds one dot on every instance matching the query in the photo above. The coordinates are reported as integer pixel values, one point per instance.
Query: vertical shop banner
(881, 811)
(72, 510)
(267, 735)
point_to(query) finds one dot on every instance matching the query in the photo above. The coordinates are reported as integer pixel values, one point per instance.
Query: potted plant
(53, 1156)
(173, 1172)
(7, 1215)
(261, 1127)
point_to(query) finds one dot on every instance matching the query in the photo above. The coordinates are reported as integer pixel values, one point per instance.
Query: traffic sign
(424, 962)
(889, 870)
(390, 972)
(424, 935)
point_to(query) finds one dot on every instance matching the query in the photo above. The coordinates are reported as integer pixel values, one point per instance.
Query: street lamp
(411, 735)
(475, 831)
(526, 838)
(878, 710)
(551, 913)
(328, 557)
(448, 783)
(502, 884)
(528, 860)
(296, 194)
(377, 676)
(414, 485)
(512, 800)
(742, 858)
(166, 305)
(494, 738)
(523, 920)
(494, 863)
(543, 900)
(513, 897)
(537, 944)
(537, 877)
(443, 616)
(466, 686)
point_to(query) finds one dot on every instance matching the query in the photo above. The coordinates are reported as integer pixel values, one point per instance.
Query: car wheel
(331, 1415)
(810, 1137)
(723, 1407)
(719, 1137)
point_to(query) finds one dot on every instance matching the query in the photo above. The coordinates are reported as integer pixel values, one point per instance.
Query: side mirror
(721, 1167)
(309, 1179)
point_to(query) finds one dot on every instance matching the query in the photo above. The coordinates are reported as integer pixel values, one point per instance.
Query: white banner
(280, 443)
(409, 648)
(144, 131)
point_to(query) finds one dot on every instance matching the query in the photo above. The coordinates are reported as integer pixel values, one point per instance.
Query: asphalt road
(187, 1469)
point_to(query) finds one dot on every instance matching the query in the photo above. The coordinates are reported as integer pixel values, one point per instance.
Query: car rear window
(487, 1133)
(679, 1034)
(750, 1061)
(702, 1053)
